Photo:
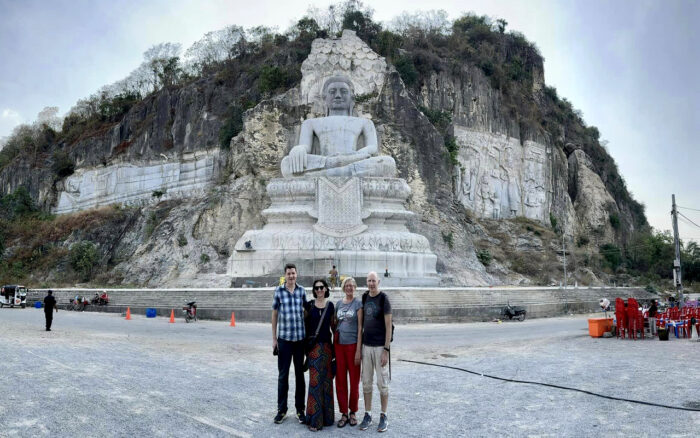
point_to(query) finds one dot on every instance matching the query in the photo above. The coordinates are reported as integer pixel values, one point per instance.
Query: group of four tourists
(355, 333)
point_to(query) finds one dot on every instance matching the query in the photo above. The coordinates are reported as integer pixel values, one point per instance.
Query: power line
(681, 214)
(685, 221)
(687, 208)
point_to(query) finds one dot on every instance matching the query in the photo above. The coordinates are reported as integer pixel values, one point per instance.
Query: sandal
(353, 420)
(313, 429)
(343, 420)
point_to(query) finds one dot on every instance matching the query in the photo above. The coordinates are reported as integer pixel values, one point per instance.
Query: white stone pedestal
(357, 224)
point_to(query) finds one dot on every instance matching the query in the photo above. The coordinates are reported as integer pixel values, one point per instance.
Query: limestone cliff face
(506, 170)
(161, 139)
(502, 171)
(593, 204)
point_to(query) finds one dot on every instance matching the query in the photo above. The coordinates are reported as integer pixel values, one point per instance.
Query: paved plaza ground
(97, 374)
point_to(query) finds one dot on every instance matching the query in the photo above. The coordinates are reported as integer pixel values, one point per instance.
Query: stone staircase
(409, 304)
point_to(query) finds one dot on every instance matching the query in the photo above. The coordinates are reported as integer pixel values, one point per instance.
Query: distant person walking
(376, 342)
(333, 277)
(348, 352)
(49, 306)
(653, 310)
(288, 335)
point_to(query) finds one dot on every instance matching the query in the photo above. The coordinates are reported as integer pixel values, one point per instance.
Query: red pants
(345, 363)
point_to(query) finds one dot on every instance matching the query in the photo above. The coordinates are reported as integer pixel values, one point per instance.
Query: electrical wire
(550, 385)
(683, 221)
(688, 219)
(687, 208)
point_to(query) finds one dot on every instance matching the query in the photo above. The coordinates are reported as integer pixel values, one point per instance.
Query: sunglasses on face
(319, 287)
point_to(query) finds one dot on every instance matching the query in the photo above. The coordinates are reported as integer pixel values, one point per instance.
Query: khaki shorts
(371, 365)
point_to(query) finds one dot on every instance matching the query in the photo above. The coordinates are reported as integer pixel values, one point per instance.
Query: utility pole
(677, 259)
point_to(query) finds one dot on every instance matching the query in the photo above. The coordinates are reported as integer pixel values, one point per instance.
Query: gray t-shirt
(374, 334)
(347, 320)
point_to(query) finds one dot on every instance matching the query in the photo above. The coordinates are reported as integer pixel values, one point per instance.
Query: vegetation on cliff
(35, 246)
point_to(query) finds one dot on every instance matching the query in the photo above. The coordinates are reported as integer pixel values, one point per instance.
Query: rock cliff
(483, 182)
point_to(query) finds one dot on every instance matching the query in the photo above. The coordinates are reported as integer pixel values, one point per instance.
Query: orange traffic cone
(172, 316)
(233, 319)
(128, 313)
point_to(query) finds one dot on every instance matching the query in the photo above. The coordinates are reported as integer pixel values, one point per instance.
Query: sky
(631, 67)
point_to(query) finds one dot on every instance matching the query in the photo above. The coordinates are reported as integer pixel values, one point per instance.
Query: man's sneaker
(301, 416)
(280, 417)
(383, 423)
(366, 421)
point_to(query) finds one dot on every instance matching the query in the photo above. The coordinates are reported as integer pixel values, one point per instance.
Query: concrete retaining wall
(409, 304)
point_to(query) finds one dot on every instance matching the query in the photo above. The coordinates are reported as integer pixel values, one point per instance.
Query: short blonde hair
(348, 280)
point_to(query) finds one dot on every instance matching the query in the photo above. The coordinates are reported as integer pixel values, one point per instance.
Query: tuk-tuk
(13, 295)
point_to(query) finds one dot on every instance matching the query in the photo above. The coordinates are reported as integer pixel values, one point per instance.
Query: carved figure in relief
(469, 180)
(339, 136)
(512, 189)
(485, 193)
(496, 197)
(73, 186)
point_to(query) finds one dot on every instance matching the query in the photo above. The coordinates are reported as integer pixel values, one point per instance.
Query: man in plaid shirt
(288, 335)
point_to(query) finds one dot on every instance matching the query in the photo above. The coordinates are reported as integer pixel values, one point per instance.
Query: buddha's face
(338, 97)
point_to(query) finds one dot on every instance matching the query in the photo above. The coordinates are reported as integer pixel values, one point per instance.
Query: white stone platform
(357, 224)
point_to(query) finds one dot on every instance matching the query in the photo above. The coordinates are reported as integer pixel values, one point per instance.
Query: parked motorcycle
(78, 303)
(516, 312)
(100, 300)
(190, 311)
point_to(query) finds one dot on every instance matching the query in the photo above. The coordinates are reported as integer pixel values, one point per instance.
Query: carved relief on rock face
(131, 184)
(499, 177)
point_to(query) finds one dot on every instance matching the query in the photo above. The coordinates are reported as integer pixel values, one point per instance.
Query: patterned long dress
(320, 407)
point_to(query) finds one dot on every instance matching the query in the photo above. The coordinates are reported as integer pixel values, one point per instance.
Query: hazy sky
(631, 66)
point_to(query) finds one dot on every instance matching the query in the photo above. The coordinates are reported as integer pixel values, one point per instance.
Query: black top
(49, 303)
(652, 311)
(374, 327)
(324, 334)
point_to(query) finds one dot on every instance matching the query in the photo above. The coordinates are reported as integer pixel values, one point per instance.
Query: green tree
(501, 25)
(407, 70)
(83, 258)
(361, 22)
(612, 255)
(17, 204)
(272, 78)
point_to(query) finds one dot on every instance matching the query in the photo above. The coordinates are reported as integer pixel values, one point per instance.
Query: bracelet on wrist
(386, 349)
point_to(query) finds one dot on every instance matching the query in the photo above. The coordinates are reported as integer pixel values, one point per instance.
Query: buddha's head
(338, 96)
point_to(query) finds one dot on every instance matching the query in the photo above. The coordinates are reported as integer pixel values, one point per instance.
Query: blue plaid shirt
(290, 312)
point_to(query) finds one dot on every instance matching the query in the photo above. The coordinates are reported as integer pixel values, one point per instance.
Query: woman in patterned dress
(320, 406)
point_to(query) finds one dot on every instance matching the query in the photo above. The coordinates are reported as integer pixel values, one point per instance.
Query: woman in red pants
(348, 348)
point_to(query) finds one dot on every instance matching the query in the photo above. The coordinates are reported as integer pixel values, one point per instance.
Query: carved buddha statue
(346, 146)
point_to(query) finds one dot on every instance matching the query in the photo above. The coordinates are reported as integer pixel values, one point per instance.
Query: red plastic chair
(621, 318)
(633, 318)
